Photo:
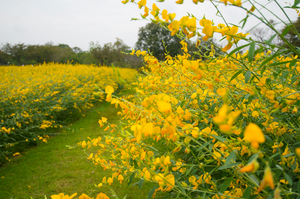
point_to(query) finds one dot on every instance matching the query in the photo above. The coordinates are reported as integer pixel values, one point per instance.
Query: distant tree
(109, 53)
(152, 36)
(3, 58)
(16, 52)
(292, 35)
(77, 50)
(62, 53)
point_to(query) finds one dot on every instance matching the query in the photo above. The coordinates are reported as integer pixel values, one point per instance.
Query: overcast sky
(78, 22)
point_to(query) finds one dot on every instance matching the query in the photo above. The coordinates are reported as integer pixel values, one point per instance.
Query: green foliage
(291, 33)
(157, 39)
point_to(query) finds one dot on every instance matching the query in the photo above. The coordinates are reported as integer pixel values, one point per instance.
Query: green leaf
(219, 138)
(231, 158)
(279, 167)
(254, 179)
(152, 192)
(247, 76)
(247, 193)
(180, 187)
(293, 63)
(236, 74)
(288, 178)
(279, 63)
(226, 184)
(228, 166)
(141, 183)
(271, 39)
(296, 2)
(273, 156)
(237, 49)
(286, 30)
(190, 169)
(268, 59)
(244, 21)
(130, 179)
(204, 145)
(270, 197)
(251, 51)
(298, 186)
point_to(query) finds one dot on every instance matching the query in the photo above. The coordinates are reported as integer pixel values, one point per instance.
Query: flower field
(35, 99)
(225, 126)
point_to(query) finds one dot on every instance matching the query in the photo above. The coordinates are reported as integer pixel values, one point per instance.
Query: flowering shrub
(34, 99)
(230, 125)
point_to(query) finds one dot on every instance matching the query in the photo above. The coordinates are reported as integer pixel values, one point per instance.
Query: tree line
(153, 38)
(108, 54)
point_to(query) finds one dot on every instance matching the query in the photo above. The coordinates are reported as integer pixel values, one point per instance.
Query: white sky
(77, 22)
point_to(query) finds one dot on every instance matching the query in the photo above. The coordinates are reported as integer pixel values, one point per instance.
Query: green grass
(52, 168)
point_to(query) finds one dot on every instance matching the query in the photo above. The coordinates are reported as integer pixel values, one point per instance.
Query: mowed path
(53, 168)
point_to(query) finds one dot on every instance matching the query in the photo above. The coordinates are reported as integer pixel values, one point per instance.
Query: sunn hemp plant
(229, 124)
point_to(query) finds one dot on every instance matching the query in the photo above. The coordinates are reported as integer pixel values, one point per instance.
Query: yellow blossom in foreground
(84, 196)
(267, 180)
(102, 196)
(297, 151)
(164, 106)
(251, 167)
(254, 135)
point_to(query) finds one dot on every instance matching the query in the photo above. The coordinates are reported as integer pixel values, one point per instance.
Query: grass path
(52, 168)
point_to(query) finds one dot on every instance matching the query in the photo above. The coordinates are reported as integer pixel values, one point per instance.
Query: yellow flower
(254, 135)
(165, 15)
(142, 3)
(167, 161)
(267, 180)
(251, 167)
(222, 114)
(84, 196)
(191, 24)
(137, 129)
(221, 91)
(179, 2)
(63, 196)
(297, 151)
(102, 196)
(110, 180)
(120, 178)
(109, 89)
(255, 114)
(277, 192)
(83, 144)
(164, 106)
(146, 10)
(155, 10)
(174, 27)
(227, 47)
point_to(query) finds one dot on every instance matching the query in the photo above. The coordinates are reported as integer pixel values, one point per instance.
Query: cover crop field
(222, 126)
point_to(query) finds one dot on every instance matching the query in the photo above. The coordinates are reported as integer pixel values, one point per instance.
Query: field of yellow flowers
(232, 121)
(37, 98)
